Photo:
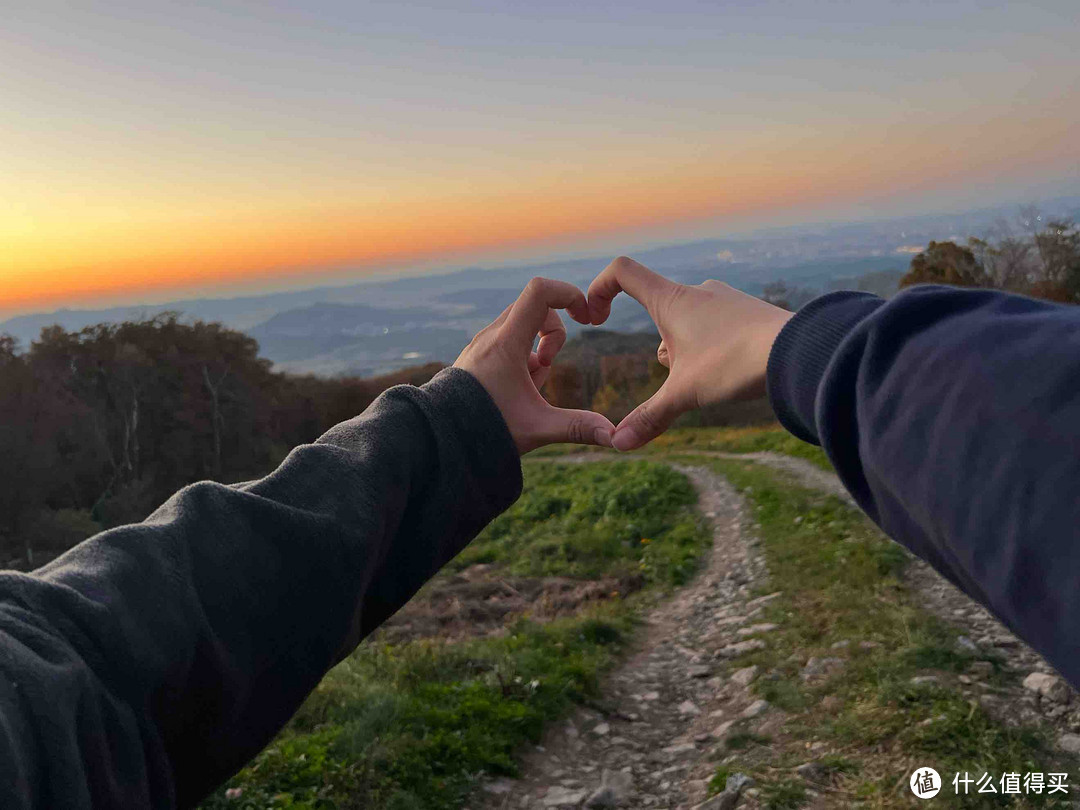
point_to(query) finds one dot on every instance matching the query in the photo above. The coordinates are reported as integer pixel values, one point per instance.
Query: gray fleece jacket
(149, 663)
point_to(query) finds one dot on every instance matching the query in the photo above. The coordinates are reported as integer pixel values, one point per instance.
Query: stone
(981, 669)
(758, 707)
(700, 671)
(1049, 686)
(1069, 743)
(745, 676)
(831, 703)
(966, 644)
(559, 796)
(651, 696)
(742, 647)
(840, 645)
(601, 729)
(615, 787)
(919, 680)
(688, 707)
(499, 787)
(721, 731)
(818, 667)
(812, 771)
(729, 797)
(761, 600)
(680, 748)
(868, 645)
(764, 627)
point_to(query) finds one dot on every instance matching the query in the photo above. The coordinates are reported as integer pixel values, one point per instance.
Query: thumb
(578, 427)
(648, 420)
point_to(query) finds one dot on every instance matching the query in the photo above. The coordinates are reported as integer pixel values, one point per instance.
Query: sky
(150, 150)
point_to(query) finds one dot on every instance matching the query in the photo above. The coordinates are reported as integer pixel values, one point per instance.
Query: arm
(950, 415)
(150, 662)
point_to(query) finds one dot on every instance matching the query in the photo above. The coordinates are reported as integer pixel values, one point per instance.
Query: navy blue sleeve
(953, 417)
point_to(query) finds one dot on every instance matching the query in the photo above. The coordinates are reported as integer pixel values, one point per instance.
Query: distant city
(375, 327)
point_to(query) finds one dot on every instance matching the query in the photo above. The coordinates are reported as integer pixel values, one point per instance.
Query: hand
(714, 339)
(501, 358)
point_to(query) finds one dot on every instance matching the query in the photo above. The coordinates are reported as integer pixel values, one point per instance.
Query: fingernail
(624, 439)
(602, 436)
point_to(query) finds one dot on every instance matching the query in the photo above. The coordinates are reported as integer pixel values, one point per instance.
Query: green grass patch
(626, 519)
(840, 580)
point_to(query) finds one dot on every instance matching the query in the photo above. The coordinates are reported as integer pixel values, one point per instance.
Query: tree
(946, 263)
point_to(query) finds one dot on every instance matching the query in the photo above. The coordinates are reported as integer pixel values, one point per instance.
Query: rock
(818, 667)
(868, 645)
(925, 679)
(742, 647)
(700, 671)
(758, 707)
(680, 748)
(651, 696)
(831, 703)
(840, 645)
(966, 644)
(1050, 687)
(727, 799)
(688, 707)
(499, 787)
(615, 787)
(721, 731)
(739, 782)
(981, 669)
(601, 729)
(761, 600)
(1069, 743)
(764, 627)
(563, 797)
(812, 771)
(745, 676)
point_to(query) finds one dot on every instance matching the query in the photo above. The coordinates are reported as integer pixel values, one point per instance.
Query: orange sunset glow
(333, 155)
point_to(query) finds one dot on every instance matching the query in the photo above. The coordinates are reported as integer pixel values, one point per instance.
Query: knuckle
(575, 432)
(649, 420)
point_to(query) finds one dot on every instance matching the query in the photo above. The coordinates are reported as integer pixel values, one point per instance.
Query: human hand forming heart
(715, 341)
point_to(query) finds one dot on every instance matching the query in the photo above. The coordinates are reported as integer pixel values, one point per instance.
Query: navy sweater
(953, 417)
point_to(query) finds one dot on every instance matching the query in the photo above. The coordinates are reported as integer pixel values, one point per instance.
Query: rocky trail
(651, 740)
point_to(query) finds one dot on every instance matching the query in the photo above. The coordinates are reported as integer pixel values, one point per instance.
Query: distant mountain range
(375, 327)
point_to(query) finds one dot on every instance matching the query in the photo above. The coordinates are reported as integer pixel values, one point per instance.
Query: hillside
(708, 624)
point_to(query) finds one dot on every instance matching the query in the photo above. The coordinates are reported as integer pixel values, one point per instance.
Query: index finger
(624, 274)
(541, 295)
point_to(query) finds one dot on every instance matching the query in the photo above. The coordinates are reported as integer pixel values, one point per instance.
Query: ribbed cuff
(802, 351)
(462, 400)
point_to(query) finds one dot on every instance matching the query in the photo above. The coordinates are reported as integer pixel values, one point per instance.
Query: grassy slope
(840, 581)
(410, 725)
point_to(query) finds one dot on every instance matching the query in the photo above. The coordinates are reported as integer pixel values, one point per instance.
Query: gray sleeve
(150, 662)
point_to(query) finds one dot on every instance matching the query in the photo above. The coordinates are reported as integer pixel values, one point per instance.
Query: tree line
(98, 427)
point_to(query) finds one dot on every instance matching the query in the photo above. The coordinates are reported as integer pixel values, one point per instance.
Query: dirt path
(647, 743)
(649, 739)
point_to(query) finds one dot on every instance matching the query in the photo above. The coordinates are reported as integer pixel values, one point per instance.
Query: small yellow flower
(645, 541)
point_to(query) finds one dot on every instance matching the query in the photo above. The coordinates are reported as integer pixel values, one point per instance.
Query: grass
(840, 582)
(726, 440)
(414, 724)
(586, 521)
